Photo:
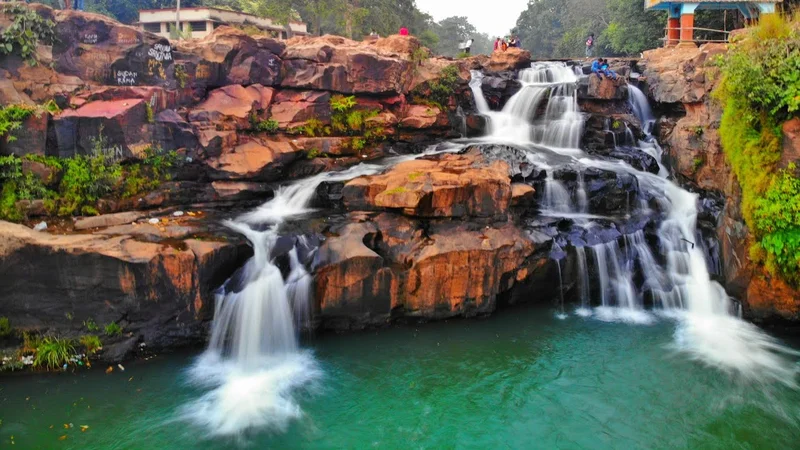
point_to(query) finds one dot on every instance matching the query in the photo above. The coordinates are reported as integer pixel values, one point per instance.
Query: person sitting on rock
(596, 64)
(607, 71)
(404, 31)
(504, 45)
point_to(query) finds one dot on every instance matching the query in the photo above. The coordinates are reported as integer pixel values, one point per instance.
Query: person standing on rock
(497, 44)
(468, 45)
(590, 45)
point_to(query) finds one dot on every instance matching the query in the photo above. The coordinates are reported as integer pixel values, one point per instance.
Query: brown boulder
(444, 186)
(120, 123)
(420, 117)
(232, 107)
(603, 88)
(511, 59)
(682, 74)
(256, 160)
(332, 63)
(393, 266)
(160, 293)
(293, 109)
(791, 142)
(770, 298)
(522, 194)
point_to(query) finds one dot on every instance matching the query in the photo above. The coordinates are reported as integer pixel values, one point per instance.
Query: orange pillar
(673, 31)
(687, 29)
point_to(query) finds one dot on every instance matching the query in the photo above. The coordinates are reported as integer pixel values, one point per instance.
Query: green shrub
(52, 353)
(5, 327)
(181, 76)
(17, 185)
(90, 343)
(441, 89)
(149, 115)
(26, 31)
(269, 126)
(759, 89)
(90, 325)
(113, 329)
(11, 118)
(313, 153)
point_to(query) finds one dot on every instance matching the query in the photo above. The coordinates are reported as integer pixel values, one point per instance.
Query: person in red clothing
(404, 31)
(497, 44)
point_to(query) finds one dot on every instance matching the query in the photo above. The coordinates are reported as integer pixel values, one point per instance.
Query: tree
(633, 30)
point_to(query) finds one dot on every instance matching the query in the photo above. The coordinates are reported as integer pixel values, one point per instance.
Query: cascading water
(681, 287)
(253, 362)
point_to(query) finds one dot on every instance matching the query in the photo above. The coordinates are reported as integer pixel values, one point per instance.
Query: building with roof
(680, 14)
(203, 21)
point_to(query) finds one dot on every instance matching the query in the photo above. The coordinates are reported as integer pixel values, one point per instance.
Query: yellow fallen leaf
(66, 426)
(84, 428)
(110, 369)
(62, 438)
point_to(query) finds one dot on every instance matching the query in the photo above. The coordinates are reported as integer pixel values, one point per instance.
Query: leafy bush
(81, 180)
(181, 76)
(113, 329)
(52, 352)
(11, 118)
(27, 30)
(91, 343)
(90, 325)
(5, 327)
(759, 89)
(441, 89)
(269, 126)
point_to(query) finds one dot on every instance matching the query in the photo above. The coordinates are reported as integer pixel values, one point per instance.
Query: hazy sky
(489, 16)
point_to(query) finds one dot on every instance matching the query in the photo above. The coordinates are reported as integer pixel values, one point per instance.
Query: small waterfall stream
(709, 329)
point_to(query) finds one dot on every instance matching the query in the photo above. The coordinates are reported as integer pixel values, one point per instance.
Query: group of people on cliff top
(503, 44)
(600, 68)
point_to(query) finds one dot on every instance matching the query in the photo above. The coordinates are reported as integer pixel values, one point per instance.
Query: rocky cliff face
(681, 80)
(390, 250)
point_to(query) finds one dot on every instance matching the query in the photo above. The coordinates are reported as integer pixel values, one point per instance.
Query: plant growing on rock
(17, 185)
(759, 89)
(11, 118)
(113, 329)
(181, 76)
(270, 126)
(90, 325)
(53, 352)
(149, 115)
(26, 31)
(440, 89)
(5, 327)
(90, 343)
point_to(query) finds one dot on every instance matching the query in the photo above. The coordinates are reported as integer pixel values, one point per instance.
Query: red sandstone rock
(389, 266)
(448, 186)
(120, 122)
(511, 59)
(681, 74)
(260, 160)
(162, 292)
(232, 107)
(420, 116)
(293, 109)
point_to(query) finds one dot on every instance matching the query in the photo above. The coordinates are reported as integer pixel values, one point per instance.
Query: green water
(519, 379)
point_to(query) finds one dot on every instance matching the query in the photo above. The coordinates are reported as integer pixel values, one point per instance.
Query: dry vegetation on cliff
(760, 91)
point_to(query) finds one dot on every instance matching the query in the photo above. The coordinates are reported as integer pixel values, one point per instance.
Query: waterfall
(641, 108)
(475, 83)
(708, 327)
(253, 362)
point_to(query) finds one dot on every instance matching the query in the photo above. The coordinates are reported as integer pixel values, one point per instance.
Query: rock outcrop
(444, 246)
(682, 79)
(156, 281)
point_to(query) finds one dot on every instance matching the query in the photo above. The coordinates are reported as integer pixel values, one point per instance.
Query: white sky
(488, 16)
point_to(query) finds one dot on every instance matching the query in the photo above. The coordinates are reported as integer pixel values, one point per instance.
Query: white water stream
(708, 327)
